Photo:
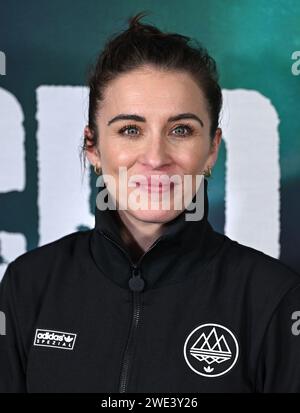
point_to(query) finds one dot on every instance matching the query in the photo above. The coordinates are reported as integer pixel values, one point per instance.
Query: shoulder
(36, 265)
(266, 278)
(267, 266)
(60, 246)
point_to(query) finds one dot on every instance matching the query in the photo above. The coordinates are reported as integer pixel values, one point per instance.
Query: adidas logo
(52, 338)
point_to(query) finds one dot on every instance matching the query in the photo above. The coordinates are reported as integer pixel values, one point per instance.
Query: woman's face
(152, 144)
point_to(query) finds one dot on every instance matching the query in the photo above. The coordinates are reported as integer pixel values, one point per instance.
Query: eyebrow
(139, 118)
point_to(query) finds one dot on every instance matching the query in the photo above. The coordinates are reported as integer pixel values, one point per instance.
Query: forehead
(153, 90)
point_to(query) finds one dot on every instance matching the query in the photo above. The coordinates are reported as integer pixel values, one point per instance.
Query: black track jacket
(197, 313)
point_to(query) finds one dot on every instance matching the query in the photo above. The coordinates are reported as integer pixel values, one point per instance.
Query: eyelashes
(190, 130)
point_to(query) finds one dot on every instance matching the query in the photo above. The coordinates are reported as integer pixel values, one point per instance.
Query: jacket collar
(169, 258)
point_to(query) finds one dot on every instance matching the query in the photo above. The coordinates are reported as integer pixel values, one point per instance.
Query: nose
(155, 153)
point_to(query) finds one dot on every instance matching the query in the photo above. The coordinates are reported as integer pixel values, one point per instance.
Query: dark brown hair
(141, 44)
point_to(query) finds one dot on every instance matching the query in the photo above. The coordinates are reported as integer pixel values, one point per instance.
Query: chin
(161, 215)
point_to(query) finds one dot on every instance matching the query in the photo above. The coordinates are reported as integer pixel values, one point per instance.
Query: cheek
(114, 155)
(191, 161)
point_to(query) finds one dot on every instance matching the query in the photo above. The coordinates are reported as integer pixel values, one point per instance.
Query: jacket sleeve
(12, 354)
(278, 368)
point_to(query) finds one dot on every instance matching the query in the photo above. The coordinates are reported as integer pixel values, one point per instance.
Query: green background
(53, 42)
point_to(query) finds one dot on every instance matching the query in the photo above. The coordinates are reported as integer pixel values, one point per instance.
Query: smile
(155, 188)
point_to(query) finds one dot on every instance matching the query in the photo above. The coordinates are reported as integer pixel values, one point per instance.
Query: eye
(128, 128)
(133, 129)
(189, 128)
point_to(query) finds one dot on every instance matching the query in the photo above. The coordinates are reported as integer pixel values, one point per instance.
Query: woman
(148, 300)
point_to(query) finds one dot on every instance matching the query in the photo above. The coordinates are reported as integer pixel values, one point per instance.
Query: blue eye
(126, 128)
(186, 127)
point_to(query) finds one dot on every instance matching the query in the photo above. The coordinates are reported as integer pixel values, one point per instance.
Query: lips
(155, 187)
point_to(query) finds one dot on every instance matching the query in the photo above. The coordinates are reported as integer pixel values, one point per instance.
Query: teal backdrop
(53, 43)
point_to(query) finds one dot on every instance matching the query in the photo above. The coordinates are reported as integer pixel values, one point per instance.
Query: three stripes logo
(211, 350)
(56, 339)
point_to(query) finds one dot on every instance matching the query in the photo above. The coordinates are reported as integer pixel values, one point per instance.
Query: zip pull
(136, 282)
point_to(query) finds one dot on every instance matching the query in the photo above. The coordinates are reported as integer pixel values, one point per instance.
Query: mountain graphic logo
(211, 350)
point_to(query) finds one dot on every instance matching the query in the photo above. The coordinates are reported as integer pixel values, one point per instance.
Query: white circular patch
(211, 350)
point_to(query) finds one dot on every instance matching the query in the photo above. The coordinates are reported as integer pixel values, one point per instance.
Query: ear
(91, 150)
(215, 146)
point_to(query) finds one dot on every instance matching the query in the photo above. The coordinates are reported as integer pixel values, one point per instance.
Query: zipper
(136, 284)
